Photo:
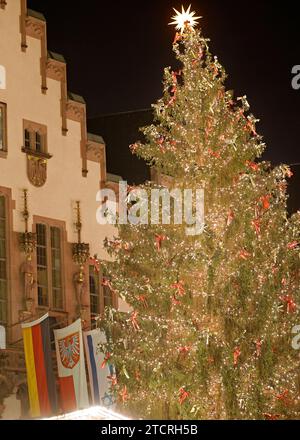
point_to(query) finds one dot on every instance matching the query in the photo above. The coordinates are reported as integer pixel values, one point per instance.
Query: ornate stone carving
(55, 70)
(81, 253)
(27, 243)
(95, 152)
(24, 315)
(36, 160)
(36, 170)
(29, 284)
(75, 111)
(80, 288)
(3, 3)
(84, 312)
(34, 28)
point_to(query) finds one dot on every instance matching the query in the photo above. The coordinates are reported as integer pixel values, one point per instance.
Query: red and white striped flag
(71, 367)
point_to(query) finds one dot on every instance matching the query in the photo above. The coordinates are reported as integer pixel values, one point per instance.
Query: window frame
(38, 142)
(49, 224)
(4, 149)
(27, 142)
(94, 274)
(35, 130)
(6, 300)
(10, 205)
(101, 293)
(53, 269)
(43, 249)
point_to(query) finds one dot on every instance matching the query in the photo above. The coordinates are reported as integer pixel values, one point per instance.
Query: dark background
(116, 52)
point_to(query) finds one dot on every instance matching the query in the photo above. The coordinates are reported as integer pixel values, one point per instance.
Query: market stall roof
(92, 413)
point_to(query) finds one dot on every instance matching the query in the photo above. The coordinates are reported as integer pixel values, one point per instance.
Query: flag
(71, 367)
(40, 375)
(100, 372)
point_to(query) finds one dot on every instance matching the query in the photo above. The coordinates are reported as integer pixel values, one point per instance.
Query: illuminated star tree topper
(181, 19)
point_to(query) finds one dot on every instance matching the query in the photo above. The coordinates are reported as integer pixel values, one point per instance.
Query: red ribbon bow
(256, 225)
(230, 217)
(291, 305)
(133, 319)
(266, 201)
(284, 397)
(244, 254)
(143, 300)
(179, 288)
(215, 154)
(293, 245)
(258, 347)
(124, 394)
(113, 379)
(254, 166)
(284, 281)
(183, 395)
(251, 127)
(178, 37)
(236, 354)
(271, 416)
(172, 99)
(174, 77)
(106, 359)
(184, 349)
(158, 241)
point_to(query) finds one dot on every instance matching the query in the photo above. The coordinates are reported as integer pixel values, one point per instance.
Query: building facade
(50, 171)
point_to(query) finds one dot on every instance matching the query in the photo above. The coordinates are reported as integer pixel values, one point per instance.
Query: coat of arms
(69, 350)
(37, 170)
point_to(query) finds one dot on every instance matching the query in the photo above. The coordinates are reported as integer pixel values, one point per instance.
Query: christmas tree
(209, 332)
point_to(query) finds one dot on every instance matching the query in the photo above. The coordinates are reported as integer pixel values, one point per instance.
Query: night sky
(116, 52)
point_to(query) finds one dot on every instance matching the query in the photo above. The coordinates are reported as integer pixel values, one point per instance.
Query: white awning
(92, 413)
